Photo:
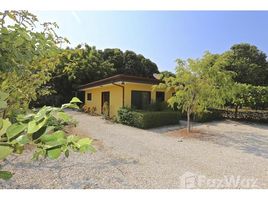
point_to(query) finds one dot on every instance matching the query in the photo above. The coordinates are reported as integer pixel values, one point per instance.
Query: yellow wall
(116, 95)
(115, 98)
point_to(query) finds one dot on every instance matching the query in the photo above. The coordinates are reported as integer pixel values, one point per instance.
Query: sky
(162, 36)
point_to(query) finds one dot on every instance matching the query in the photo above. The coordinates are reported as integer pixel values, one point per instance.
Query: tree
(249, 64)
(27, 60)
(241, 96)
(116, 58)
(27, 57)
(246, 95)
(167, 73)
(85, 64)
(198, 85)
(137, 65)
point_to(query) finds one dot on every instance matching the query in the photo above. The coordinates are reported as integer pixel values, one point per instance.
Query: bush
(157, 106)
(125, 116)
(208, 116)
(145, 119)
(243, 115)
(90, 110)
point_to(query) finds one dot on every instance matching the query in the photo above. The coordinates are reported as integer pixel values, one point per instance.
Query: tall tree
(115, 57)
(85, 64)
(248, 62)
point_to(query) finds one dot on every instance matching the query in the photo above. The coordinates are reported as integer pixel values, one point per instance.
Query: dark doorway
(105, 97)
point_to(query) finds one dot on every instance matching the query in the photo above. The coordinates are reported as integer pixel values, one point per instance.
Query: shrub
(145, 119)
(243, 115)
(157, 106)
(125, 116)
(246, 115)
(90, 110)
(208, 115)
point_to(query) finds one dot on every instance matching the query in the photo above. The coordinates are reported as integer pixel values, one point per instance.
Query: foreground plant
(42, 129)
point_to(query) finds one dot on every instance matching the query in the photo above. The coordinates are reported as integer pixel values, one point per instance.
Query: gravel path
(128, 157)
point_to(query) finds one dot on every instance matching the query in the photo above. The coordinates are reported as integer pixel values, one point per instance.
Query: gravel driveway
(128, 157)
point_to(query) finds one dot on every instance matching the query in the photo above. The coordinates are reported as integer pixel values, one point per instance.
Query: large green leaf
(22, 118)
(52, 137)
(55, 143)
(5, 175)
(69, 105)
(5, 124)
(53, 140)
(42, 113)
(15, 129)
(84, 141)
(5, 151)
(22, 139)
(63, 116)
(54, 153)
(75, 100)
(72, 138)
(34, 126)
(42, 131)
(85, 145)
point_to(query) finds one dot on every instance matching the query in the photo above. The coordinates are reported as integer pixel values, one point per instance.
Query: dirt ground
(223, 154)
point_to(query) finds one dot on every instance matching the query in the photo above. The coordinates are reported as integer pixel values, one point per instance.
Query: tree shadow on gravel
(251, 143)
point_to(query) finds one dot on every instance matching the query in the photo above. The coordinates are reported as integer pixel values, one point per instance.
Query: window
(140, 99)
(160, 96)
(89, 96)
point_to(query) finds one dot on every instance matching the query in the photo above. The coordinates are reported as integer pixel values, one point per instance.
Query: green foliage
(248, 63)
(42, 129)
(157, 106)
(208, 115)
(125, 116)
(147, 119)
(198, 85)
(245, 115)
(27, 58)
(85, 64)
(245, 95)
(167, 74)
(5, 175)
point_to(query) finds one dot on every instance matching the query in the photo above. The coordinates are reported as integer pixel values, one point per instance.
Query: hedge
(246, 115)
(147, 119)
(243, 115)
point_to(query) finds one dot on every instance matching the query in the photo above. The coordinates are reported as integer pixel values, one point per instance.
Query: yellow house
(123, 91)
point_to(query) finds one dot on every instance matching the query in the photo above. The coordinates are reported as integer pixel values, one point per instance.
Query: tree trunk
(188, 121)
(236, 111)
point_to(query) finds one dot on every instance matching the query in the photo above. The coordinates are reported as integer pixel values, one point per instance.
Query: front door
(105, 97)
